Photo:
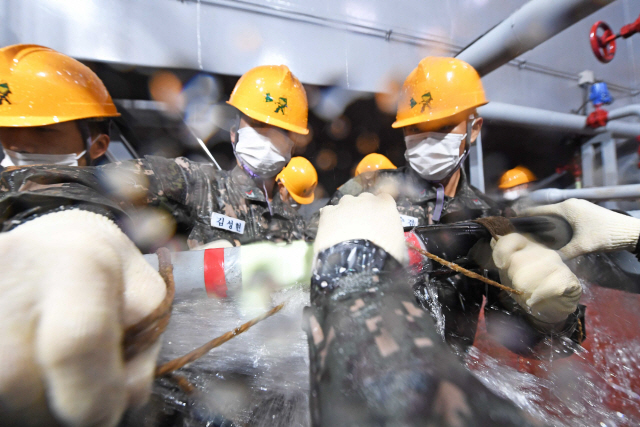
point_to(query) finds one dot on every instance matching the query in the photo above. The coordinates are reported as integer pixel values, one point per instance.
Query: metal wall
(358, 44)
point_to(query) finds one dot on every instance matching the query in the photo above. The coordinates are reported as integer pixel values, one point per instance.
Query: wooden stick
(457, 268)
(145, 333)
(194, 355)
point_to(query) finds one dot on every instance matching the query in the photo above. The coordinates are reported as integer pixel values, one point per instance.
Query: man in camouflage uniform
(209, 206)
(433, 188)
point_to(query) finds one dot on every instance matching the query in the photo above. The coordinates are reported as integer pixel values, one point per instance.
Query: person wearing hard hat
(297, 182)
(437, 113)
(515, 182)
(270, 102)
(53, 109)
(209, 206)
(65, 227)
(374, 162)
(438, 117)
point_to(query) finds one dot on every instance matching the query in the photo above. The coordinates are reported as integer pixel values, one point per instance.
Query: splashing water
(599, 386)
(261, 378)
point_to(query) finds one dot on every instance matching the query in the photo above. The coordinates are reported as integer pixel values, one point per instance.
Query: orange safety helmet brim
(516, 176)
(374, 162)
(438, 88)
(303, 200)
(273, 95)
(300, 179)
(40, 86)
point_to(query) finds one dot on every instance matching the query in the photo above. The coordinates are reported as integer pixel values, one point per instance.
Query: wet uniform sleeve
(311, 227)
(30, 192)
(180, 186)
(456, 301)
(117, 190)
(376, 358)
(521, 333)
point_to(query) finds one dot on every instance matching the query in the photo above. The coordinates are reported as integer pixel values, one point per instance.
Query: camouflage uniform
(458, 298)
(375, 356)
(191, 192)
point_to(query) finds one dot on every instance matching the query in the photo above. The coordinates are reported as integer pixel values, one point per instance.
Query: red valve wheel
(604, 45)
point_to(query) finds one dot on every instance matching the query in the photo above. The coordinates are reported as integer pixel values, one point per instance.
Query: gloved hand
(595, 229)
(551, 290)
(368, 217)
(71, 283)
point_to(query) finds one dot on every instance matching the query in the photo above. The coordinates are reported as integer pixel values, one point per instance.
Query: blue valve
(599, 94)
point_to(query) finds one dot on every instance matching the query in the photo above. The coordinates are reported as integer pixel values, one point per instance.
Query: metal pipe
(555, 195)
(532, 24)
(626, 111)
(546, 181)
(517, 115)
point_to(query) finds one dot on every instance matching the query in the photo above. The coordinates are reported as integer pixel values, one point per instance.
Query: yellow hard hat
(300, 179)
(271, 94)
(438, 88)
(39, 86)
(374, 162)
(516, 176)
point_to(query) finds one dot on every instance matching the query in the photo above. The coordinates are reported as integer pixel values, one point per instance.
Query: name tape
(409, 221)
(227, 223)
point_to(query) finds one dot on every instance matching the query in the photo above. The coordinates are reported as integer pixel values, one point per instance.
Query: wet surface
(261, 378)
(600, 386)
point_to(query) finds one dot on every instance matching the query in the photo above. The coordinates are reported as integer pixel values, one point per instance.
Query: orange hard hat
(516, 176)
(300, 179)
(39, 86)
(374, 162)
(438, 88)
(271, 94)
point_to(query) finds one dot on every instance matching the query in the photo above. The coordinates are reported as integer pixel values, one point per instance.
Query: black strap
(349, 257)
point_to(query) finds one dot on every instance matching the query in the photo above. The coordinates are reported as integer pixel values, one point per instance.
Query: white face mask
(433, 155)
(264, 155)
(514, 193)
(13, 158)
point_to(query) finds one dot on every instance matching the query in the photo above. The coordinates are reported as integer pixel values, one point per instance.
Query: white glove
(595, 229)
(368, 217)
(71, 283)
(551, 292)
(286, 264)
(270, 267)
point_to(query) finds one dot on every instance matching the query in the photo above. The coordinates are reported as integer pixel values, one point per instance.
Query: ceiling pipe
(532, 24)
(555, 195)
(517, 115)
(626, 111)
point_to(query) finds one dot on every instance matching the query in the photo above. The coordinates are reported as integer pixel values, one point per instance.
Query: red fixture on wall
(603, 40)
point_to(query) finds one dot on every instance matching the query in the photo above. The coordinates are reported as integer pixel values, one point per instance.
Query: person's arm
(30, 192)
(595, 229)
(148, 198)
(510, 325)
(376, 357)
(158, 181)
(72, 283)
(537, 322)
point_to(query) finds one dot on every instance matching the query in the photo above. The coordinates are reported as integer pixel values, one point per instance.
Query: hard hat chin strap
(85, 134)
